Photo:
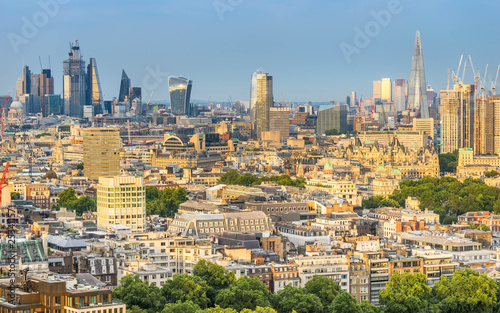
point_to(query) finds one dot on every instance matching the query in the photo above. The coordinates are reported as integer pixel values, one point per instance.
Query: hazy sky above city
(303, 44)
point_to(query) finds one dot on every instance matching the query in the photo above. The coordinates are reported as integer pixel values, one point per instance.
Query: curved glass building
(180, 94)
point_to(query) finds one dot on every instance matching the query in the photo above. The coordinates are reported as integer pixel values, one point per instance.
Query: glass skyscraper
(94, 93)
(417, 98)
(332, 117)
(180, 94)
(124, 87)
(74, 83)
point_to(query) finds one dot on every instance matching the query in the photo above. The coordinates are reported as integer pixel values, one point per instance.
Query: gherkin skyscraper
(417, 97)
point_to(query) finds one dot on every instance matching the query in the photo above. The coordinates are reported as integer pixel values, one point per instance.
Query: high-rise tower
(94, 92)
(124, 87)
(417, 98)
(263, 103)
(180, 95)
(253, 94)
(400, 94)
(74, 83)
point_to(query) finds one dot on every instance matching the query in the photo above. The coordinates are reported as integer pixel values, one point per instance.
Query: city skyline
(388, 54)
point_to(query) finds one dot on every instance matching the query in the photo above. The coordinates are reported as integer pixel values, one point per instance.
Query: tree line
(446, 196)
(247, 179)
(212, 290)
(164, 203)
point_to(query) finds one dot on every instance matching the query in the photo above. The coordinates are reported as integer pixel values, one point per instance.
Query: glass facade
(74, 83)
(124, 87)
(332, 117)
(417, 98)
(263, 103)
(94, 96)
(52, 105)
(180, 94)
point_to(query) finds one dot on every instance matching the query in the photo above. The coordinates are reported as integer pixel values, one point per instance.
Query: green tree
(181, 307)
(165, 203)
(367, 307)
(66, 196)
(215, 275)
(448, 162)
(136, 309)
(450, 219)
(184, 287)
(152, 193)
(260, 310)
(218, 309)
(134, 292)
(82, 205)
(79, 166)
(345, 303)
(296, 298)
(491, 173)
(245, 293)
(323, 287)
(466, 291)
(15, 195)
(332, 132)
(406, 293)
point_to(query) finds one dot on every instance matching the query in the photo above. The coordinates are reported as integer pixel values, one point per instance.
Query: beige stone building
(101, 152)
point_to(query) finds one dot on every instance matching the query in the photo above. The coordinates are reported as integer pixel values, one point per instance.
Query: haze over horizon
(219, 44)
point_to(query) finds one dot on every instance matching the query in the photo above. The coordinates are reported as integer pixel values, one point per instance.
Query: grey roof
(65, 242)
(89, 279)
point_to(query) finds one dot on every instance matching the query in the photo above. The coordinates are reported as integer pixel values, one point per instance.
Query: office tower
(35, 92)
(180, 94)
(121, 200)
(263, 103)
(101, 152)
(74, 83)
(347, 101)
(253, 94)
(431, 97)
(400, 94)
(377, 90)
(417, 97)
(425, 125)
(46, 88)
(386, 90)
(480, 141)
(52, 105)
(23, 85)
(279, 121)
(493, 121)
(457, 118)
(332, 117)
(94, 92)
(124, 87)
(30, 103)
(135, 93)
(353, 100)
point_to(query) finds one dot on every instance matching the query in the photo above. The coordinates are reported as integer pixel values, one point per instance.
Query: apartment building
(39, 194)
(333, 266)
(283, 275)
(359, 280)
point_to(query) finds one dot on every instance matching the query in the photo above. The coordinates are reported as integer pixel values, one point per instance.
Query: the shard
(417, 98)
(124, 87)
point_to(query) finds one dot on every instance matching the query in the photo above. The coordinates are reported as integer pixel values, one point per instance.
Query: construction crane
(494, 85)
(454, 75)
(463, 75)
(476, 74)
(2, 109)
(5, 180)
(484, 80)
(359, 106)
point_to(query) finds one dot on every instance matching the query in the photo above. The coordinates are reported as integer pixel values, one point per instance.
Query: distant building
(124, 87)
(386, 90)
(417, 97)
(263, 103)
(332, 117)
(180, 95)
(279, 121)
(94, 92)
(400, 94)
(101, 152)
(74, 83)
(121, 200)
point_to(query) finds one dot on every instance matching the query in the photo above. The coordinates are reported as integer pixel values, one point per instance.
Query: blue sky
(297, 41)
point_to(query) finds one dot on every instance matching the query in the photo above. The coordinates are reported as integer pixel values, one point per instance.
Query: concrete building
(121, 200)
(101, 152)
(279, 121)
(39, 194)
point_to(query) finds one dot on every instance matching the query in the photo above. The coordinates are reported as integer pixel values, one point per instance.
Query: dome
(16, 105)
(328, 166)
(395, 170)
(51, 175)
(380, 167)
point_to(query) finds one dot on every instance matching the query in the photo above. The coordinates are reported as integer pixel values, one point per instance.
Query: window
(57, 300)
(93, 299)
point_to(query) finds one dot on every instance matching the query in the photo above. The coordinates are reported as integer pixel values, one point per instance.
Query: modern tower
(400, 94)
(74, 83)
(94, 92)
(386, 90)
(263, 103)
(124, 87)
(457, 118)
(101, 152)
(417, 98)
(24, 83)
(46, 88)
(253, 94)
(332, 117)
(180, 94)
(377, 90)
(352, 99)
